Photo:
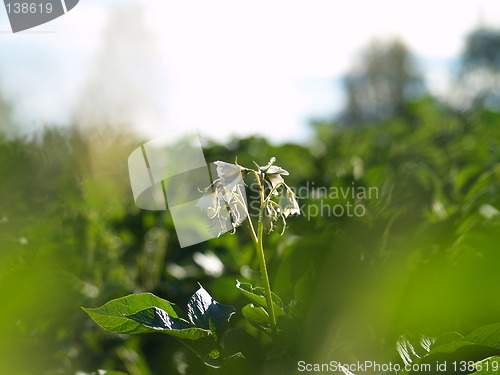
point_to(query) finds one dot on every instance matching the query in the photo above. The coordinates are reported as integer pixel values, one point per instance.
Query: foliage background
(423, 260)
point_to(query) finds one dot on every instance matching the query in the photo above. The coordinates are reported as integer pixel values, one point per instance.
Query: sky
(222, 67)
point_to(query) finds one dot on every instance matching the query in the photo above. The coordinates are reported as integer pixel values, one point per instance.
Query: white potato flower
(223, 199)
(273, 175)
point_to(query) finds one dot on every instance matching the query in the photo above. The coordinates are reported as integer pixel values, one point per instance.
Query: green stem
(258, 243)
(252, 231)
(262, 260)
(263, 271)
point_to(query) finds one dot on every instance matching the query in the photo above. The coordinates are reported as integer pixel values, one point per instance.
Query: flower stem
(258, 243)
(263, 271)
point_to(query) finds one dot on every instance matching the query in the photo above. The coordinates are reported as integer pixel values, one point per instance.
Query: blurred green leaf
(446, 338)
(488, 336)
(480, 344)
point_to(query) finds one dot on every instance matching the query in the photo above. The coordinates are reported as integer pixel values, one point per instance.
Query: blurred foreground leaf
(482, 343)
(488, 366)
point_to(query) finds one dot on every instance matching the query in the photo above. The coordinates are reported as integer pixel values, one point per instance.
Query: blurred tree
(5, 109)
(382, 81)
(479, 74)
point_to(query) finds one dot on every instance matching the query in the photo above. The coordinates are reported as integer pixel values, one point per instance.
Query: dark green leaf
(199, 340)
(156, 318)
(206, 313)
(159, 320)
(143, 313)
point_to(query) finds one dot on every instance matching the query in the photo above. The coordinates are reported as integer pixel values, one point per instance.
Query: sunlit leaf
(113, 314)
(146, 313)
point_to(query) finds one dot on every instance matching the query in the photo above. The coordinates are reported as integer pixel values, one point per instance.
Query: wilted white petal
(288, 204)
(273, 175)
(222, 202)
(275, 180)
(210, 203)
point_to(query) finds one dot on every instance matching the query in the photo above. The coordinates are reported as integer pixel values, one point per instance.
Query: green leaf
(200, 330)
(256, 315)
(204, 312)
(113, 314)
(257, 295)
(159, 320)
(199, 340)
(488, 366)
